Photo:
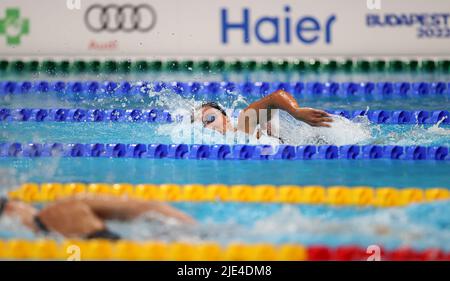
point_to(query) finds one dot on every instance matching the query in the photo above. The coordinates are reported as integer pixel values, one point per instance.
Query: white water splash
(391, 227)
(342, 131)
(291, 131)
(435, 129)
(417, 135)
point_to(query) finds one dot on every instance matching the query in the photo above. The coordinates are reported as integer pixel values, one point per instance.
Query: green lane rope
(112, 66)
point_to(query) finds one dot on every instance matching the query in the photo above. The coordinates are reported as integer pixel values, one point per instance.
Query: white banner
(224, 28)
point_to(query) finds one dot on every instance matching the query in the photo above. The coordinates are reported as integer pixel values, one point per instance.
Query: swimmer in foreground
(214, 117)
(84, 216)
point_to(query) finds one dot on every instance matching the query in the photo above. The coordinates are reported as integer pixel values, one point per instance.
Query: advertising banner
(224, 28)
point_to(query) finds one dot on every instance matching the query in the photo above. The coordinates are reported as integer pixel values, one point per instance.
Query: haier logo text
(275, 30)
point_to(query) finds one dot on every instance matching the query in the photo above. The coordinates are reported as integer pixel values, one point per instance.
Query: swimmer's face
(214, 119)
(24, 212)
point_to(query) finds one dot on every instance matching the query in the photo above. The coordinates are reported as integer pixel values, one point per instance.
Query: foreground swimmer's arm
(124, 208)
(83, 215)
(284, 101)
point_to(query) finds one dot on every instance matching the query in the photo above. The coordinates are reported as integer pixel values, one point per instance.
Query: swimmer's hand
(169, 211)
(313, 117)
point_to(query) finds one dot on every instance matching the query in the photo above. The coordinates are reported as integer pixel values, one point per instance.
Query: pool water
(378, 173)
(418, 226)
(343, 132)
(234, 99)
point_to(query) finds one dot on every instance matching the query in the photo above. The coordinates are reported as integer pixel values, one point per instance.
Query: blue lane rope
(376, 90)
(86, 115)
(163, 116)
(224, 152)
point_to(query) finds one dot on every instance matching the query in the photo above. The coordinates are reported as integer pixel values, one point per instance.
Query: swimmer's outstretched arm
(84, 215)
(284, 101)
(111, 207)
(124, 208)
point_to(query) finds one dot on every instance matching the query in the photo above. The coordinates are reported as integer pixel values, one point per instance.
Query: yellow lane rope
(293, 194)
(75, 250)
(47, 249)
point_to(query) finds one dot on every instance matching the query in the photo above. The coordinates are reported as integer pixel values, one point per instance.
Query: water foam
(291, 131)
(419, 226)
(414, 135)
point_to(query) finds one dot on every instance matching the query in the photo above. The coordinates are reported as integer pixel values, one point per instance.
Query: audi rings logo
(127, 18)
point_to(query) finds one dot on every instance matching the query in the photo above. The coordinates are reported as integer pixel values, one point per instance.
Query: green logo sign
(13, 27)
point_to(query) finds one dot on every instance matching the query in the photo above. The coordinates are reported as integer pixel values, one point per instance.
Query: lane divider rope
(360, 196)
(212, 89)
(225, 152)
(53, 67)
(155, 115)
(46, 249)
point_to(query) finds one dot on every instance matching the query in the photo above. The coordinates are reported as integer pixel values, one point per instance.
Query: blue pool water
(106, 132)
(396, 173)
(234, 99)
(419, 226)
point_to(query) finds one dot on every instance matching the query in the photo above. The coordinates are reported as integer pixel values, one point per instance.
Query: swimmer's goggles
(3, 202)
(210, 118)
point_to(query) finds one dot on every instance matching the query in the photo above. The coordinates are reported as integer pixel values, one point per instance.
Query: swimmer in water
(84, 216)
(214, 117)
